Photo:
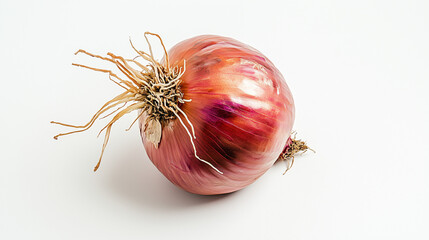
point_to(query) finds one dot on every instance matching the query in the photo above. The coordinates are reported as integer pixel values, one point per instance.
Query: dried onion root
(154, 89)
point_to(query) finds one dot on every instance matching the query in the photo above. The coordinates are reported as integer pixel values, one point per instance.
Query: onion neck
(292, 148)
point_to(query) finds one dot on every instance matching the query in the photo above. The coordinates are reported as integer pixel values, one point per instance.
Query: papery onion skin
(242, 111)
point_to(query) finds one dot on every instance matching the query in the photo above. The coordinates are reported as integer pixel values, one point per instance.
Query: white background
(359, 73)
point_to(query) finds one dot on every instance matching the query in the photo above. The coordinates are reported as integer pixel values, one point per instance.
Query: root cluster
(152, 88)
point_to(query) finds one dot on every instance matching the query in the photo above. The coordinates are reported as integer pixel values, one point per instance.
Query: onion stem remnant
(294, 146)
(154, 90)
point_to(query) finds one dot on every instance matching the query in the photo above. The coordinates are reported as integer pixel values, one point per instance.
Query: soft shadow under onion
(137, 180)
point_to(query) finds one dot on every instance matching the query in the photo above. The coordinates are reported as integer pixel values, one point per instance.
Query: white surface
(359, 74)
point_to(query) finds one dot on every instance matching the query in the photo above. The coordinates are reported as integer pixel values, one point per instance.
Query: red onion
(215, 114)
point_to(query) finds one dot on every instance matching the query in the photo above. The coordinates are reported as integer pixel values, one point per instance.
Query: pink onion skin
(242, 111)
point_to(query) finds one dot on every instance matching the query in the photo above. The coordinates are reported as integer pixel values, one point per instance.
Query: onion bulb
(214, 114)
